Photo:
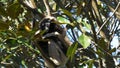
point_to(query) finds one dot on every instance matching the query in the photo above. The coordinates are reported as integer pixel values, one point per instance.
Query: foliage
(91, 26)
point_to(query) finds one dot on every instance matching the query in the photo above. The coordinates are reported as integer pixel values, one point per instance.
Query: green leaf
(84, 40)
(112, 50)
(102, 43)
(71, 50)
(100, 53)
(67, 12)
(54, 7)
(14, 10)
(63, 20)
(86, 24)
(23, 63)
(7, 57)
(90, 63)
(4, 25)
(11, 42)
(2, 11)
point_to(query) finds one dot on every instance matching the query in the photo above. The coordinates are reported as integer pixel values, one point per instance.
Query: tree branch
(47, 7)
(108, 19)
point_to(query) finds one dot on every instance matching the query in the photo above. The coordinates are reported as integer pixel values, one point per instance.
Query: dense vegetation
(91, 26)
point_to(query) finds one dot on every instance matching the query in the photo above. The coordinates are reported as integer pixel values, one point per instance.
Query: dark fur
(48, 26)
(51, 27)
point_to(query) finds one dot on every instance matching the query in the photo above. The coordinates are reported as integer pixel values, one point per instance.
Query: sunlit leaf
(99, 2)
(54, 6)
(86, 24)
(23, 30)
(27, 26)
(84, 40)
(63, 20)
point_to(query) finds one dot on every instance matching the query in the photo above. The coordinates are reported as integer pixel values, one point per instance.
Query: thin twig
(108, 19)
(31, 9)
(47, 7)
(33, 3)
(102, 49)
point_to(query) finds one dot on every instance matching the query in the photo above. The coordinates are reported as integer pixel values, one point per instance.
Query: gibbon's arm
(63, 38)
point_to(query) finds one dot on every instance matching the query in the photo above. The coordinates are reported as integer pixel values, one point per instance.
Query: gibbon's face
(45, 24)
(49, 26)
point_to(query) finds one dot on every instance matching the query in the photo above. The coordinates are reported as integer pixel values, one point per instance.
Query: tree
(91, 25)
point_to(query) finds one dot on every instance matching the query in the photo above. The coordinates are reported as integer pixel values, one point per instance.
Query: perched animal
(52, 44)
